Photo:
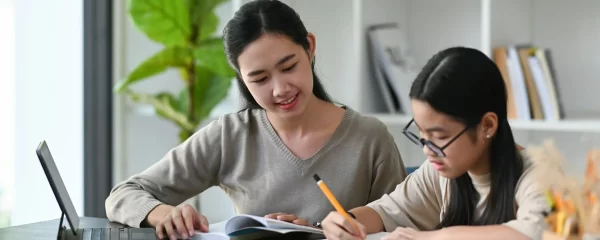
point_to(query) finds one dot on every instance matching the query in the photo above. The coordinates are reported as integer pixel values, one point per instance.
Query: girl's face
(464, 149)
(278, 74)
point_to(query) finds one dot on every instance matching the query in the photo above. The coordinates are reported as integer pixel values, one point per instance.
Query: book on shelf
(391, 65)
(531, 82)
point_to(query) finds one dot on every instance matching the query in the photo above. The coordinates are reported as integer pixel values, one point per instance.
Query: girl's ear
(312, 45)
(489, 125)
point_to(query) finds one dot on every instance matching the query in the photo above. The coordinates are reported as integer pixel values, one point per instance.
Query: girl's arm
(369, 219)
(415, 203)
(500, 232)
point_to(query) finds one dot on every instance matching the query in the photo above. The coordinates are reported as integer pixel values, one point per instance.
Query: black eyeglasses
(424, 142)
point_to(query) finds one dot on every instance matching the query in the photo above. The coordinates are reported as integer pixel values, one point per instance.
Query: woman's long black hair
(465, 84)
(265, 16)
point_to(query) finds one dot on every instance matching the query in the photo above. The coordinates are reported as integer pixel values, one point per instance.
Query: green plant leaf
(163, 21)
(184, 135)
(209, 25)
(210, 90)
(210, 54)
(173, 56)
(203, 16)
(166, 107)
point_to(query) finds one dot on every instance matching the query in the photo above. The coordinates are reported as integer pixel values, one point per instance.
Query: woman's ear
(489, 125)
(312, 45)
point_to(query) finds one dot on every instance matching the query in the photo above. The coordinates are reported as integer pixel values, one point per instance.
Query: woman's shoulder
(366, 124)
(241, 118)
(233, 123)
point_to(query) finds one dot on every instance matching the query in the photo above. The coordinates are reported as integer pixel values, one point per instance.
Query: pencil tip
(316, 177)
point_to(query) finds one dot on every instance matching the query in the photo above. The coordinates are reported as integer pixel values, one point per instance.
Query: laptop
(68, 210)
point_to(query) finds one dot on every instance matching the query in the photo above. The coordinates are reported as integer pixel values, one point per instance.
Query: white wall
(49, 104)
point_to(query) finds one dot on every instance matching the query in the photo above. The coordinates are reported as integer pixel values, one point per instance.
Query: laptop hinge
(61, 228)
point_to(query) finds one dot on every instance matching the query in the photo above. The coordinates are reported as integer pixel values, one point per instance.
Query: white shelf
(482, 24)
(568, 125)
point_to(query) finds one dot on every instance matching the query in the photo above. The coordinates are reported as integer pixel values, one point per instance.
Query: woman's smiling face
(278, 74)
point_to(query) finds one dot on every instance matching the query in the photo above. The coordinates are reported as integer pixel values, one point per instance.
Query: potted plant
(186, 30)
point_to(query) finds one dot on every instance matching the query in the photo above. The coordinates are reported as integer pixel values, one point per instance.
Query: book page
(241, 222)
(374, 236)
(210, 236)
(244, 224)
(277, 224)
(377, 236)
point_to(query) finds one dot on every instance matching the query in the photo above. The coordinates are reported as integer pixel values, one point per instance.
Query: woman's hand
(288, 218)
(182, 220)
(404, 233)
(337, 227)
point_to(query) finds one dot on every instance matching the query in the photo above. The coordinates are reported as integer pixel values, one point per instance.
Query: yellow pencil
(334, 201)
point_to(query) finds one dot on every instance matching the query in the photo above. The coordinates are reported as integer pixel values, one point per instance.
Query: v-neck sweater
(243, 155)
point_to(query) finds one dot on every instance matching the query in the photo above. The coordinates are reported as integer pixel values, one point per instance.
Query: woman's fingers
(273, 215)
(177, 220)
(281, 216)
(169, 230)
(300, 221)
(160, 230)
(203, 222)
(287, 217)
(189, 218)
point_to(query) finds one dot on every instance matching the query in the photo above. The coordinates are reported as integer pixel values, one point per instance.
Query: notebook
(255, 227)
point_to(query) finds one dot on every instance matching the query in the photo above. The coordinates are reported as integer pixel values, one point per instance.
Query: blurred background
(102, 81)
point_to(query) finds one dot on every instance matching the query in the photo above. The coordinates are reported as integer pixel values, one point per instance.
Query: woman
(264, 156)
(476, 183)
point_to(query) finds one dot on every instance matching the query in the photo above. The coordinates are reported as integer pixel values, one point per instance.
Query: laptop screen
(57, 185)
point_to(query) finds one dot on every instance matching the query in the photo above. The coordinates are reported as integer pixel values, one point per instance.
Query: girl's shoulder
(538, 170)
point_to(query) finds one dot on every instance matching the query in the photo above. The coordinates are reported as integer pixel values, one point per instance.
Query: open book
(255, 227)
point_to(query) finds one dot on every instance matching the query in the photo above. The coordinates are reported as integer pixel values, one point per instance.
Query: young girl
(264, 156)
(476, 183)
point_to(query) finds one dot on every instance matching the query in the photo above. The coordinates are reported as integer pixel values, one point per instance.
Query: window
(47, 84)
(7, 107)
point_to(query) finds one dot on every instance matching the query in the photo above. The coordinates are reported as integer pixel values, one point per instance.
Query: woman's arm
(185, 171)
(389, 169)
